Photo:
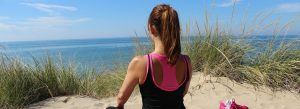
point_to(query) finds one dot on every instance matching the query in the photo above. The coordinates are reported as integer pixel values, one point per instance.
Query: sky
(23, 20)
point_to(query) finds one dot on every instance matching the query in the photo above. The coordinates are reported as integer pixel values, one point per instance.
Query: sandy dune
(205, 93)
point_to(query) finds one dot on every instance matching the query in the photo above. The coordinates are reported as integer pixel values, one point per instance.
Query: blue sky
(74, 19)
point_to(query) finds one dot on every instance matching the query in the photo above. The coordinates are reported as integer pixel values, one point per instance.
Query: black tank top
(156, 98)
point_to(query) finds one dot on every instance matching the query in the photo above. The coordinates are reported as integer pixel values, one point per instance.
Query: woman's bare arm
(131, 80)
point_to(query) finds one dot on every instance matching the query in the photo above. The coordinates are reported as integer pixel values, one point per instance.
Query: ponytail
(166, 21)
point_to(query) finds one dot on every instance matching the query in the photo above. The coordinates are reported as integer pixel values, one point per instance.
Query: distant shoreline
(91, 38)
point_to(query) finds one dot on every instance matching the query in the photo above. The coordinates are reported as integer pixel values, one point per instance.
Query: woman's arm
(190, 74)
(130, 81)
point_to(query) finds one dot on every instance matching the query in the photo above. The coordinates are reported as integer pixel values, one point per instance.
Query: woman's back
(164, 84)
(163, 79)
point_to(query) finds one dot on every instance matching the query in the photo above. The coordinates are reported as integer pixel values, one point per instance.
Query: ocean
(92, 53)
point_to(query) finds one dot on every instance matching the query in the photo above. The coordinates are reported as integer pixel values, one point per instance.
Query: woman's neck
(159, 48)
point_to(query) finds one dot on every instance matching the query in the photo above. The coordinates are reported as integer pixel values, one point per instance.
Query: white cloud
(55, 20)
(289, 7)
(3, 18)
(5, 26)
(228, 3)
(41, 23)
(50, 8)
(40, 28)
(54, 24)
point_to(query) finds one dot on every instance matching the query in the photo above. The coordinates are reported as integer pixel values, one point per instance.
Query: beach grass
(215, 51)
(23, 84)
(102, 84)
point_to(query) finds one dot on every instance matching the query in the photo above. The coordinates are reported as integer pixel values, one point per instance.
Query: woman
(163, 75)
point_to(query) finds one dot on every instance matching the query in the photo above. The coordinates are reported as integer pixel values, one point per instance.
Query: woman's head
(165, 22)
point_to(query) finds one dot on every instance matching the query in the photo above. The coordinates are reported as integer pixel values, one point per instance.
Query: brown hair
(166, 22)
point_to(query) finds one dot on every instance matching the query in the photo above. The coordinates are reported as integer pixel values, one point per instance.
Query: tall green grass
(103, 84)
(23, 84)
(215, 51)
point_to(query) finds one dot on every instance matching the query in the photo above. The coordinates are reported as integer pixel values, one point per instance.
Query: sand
(205, 93)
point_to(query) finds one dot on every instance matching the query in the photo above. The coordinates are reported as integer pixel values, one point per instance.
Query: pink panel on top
(169, 82)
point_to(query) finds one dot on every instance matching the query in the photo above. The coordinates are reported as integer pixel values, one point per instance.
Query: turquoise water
(82, 52)
(94, 53)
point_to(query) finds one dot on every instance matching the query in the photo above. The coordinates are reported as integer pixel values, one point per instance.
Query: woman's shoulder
(139, 61)
(138, 65)
(139, 58)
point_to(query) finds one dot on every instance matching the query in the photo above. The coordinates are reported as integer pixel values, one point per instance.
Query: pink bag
(230, 104)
